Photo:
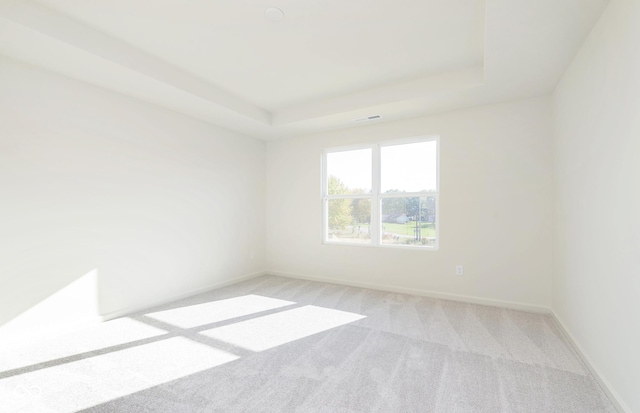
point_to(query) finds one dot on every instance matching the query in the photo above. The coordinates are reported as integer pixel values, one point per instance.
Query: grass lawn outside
(427, 229)
(392, 233)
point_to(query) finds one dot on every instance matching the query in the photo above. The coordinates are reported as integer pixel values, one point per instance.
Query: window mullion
(375, 202)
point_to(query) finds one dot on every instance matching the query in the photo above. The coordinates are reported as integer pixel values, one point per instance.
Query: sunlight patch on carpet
(216, 311)
(74, 386)
(54, 346)
(273, 330)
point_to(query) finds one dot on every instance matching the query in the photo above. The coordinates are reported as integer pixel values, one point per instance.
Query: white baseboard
(423, 293)
(620, 405)
(134, 309)
(603, 383)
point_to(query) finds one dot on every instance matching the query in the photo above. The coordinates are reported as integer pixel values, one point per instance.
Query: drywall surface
(94, 184)
(495, 207)
(596, 288)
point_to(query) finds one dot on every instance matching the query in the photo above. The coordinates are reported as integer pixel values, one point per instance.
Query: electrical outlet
(459, 270)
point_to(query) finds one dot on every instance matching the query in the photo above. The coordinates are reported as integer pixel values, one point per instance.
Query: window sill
(399, 247)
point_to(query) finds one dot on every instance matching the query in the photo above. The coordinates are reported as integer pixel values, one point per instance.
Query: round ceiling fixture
(274, 14)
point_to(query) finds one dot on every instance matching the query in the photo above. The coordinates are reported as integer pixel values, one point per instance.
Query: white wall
(495, 205)
(159, 204)
(596, 290)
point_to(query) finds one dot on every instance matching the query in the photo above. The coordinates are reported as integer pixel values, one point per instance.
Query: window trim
(376, 197)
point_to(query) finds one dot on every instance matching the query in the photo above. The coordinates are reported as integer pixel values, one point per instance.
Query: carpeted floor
(274, 344)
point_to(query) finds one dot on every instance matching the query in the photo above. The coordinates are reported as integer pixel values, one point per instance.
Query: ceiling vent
(368, 118)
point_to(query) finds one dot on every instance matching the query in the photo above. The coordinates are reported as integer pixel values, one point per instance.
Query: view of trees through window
(410, 221)
(348, 218)
(403, 216)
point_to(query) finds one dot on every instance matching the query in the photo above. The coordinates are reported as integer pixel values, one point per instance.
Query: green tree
(361, 210)
(413, 208)
(393, 207)
(429, 208)
(340, 210)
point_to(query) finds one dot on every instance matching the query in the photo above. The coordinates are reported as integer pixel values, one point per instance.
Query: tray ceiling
(323, 65)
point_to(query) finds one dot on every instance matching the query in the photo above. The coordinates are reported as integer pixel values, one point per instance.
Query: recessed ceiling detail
(324, 65)
(274, 14)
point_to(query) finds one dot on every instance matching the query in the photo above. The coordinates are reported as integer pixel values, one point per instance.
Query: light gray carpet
(274, 344)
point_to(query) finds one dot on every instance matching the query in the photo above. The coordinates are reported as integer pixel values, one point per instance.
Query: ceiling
(325, 64)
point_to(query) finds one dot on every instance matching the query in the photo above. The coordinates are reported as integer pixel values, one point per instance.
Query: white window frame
(376, 197)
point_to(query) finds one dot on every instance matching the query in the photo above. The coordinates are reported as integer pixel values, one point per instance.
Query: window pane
(349, 220)
(349, 172)
(409, 168)
(409, 221)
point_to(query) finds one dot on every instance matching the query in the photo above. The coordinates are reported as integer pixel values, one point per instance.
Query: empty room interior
(320, 206)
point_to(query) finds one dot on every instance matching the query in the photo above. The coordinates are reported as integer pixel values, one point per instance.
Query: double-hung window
(383, 194)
